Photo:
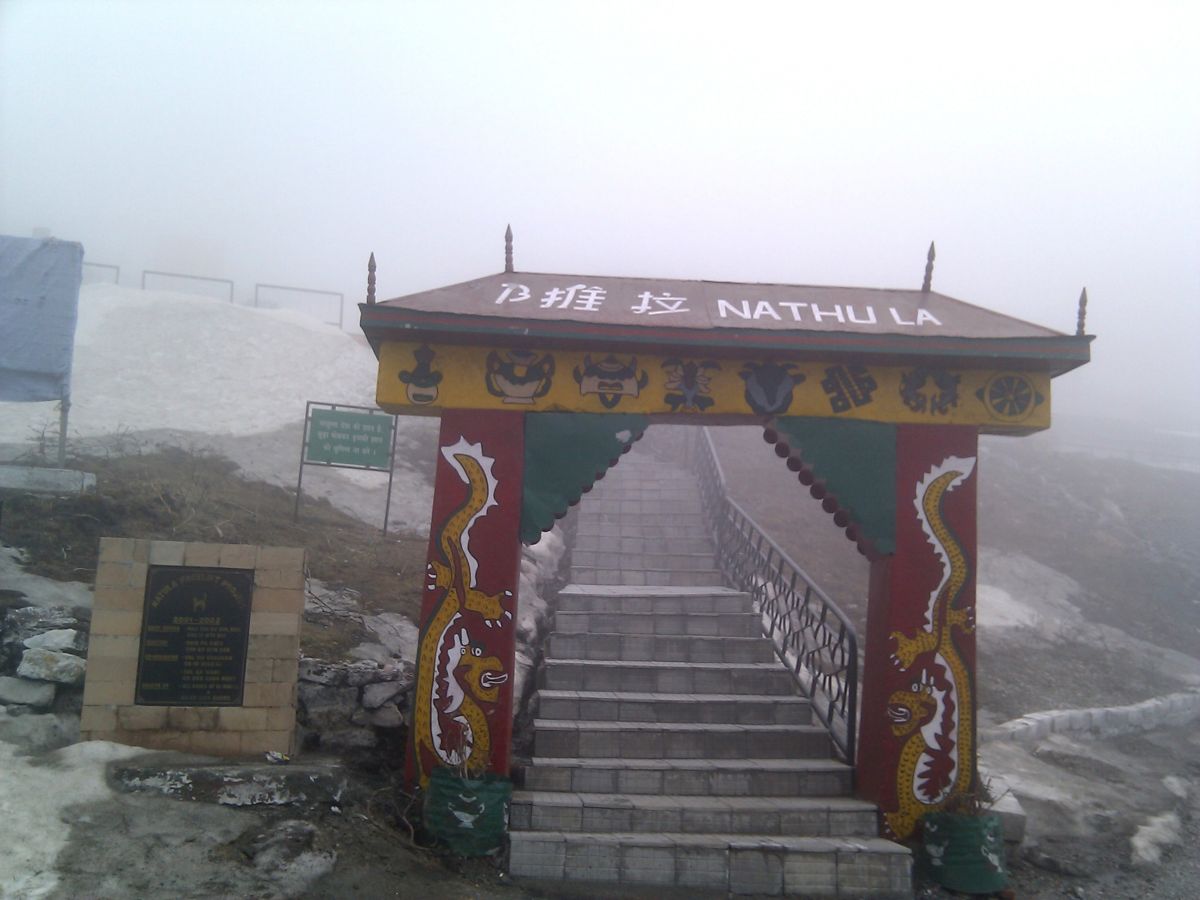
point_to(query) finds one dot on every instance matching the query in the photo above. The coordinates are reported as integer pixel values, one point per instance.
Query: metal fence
(101, 273)
(218, 288)
(323, 305)
(813, 638)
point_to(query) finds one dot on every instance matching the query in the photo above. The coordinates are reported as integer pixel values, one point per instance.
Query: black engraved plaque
(194, 633)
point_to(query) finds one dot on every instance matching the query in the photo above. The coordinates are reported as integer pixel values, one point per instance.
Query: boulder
(52, 665)
(348, 739)
(29, 693)
(38, 733)
(326, 706)
(24, 623)
(372, 652)
(368, 672)
(67, 639)
(345, 674)
(394, 631)
(387, 716)
(375, 695)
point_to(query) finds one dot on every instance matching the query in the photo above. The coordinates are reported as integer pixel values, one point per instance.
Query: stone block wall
(265, 721)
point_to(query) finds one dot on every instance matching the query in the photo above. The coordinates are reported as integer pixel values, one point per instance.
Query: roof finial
(1079, 323)
(508, 263)
(928, 283)
(371, 280)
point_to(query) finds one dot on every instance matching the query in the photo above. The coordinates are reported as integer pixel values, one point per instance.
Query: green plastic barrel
(965, 853)
(468, 815)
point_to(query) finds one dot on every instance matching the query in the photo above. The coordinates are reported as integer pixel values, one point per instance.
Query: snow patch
(39, 591)
(1149, 841)
(33, 801)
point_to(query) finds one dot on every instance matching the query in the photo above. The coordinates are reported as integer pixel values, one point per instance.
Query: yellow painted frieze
(416, 377)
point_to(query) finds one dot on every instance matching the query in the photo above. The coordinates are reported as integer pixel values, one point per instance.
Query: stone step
(652, 577)
(762, 679)
(661, 520)
(659, 647)
(657, 599)
(840, 867)
(678, 740)
(634, 492)
(661, 543)
(639, 813)
(652, 532)
(691, 777)
(614, 559)
(611, 706)
(641, 505)
(710, 624)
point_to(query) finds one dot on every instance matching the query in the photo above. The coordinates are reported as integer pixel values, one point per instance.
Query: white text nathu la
(784, 310)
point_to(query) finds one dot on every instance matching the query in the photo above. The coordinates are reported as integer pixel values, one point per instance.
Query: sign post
(340, 436)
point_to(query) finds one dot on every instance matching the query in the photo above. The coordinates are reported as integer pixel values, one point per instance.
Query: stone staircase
(670, 746)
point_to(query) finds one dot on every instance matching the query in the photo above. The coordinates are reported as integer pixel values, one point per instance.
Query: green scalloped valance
(564, 454)
(857, 461)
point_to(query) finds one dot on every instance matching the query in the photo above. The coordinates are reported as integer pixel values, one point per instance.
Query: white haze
(1043, 146)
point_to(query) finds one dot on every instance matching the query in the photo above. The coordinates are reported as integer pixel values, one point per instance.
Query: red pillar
(916, 744)
(462, 702)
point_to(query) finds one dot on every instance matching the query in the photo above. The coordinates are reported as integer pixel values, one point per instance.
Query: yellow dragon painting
(454, 674)
(935, 714)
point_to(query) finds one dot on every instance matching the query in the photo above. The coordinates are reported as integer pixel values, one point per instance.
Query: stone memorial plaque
(194, 636)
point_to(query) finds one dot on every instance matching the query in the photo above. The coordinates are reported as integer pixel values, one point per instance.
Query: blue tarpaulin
(39, 300)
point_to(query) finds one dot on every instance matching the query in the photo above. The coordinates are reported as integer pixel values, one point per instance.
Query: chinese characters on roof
(585, 298)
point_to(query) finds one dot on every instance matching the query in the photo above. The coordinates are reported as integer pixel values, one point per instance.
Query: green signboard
(342, 437)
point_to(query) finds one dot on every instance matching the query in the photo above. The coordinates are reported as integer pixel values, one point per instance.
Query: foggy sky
(1043, 146)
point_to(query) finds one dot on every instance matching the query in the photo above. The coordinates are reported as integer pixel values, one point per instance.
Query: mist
(1044, 149)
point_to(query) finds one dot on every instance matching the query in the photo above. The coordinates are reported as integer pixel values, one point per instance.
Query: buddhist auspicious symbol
(423, 380)
(938, 401)
(688, 384)
(1010, 397)
(769, 386)
(519, 376)
(611, 379)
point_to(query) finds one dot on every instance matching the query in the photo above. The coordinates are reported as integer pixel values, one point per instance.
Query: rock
(58, 639)
(375, 695)
(360, 673)
(372, 652)
(326, 706)
(322, 600)
(288, 856)
(352, 674)
(52, 665)
(68, 701)
(348, 739)
(394, 631)
(30, 693)
(24, 623)
(37, 733)
(317, 671)
(388, 716)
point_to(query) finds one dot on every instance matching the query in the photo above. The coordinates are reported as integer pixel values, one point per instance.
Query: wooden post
(462, 704)
(917, 743)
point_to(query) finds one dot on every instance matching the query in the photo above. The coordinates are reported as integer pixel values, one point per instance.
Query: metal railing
(812, 637)
(280, 295)
(219, 288)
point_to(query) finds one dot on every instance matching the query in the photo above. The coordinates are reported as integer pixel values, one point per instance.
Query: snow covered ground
(34, 794)
(143, 376)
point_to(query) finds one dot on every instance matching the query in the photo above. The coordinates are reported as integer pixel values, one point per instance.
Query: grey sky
(1043, 146)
